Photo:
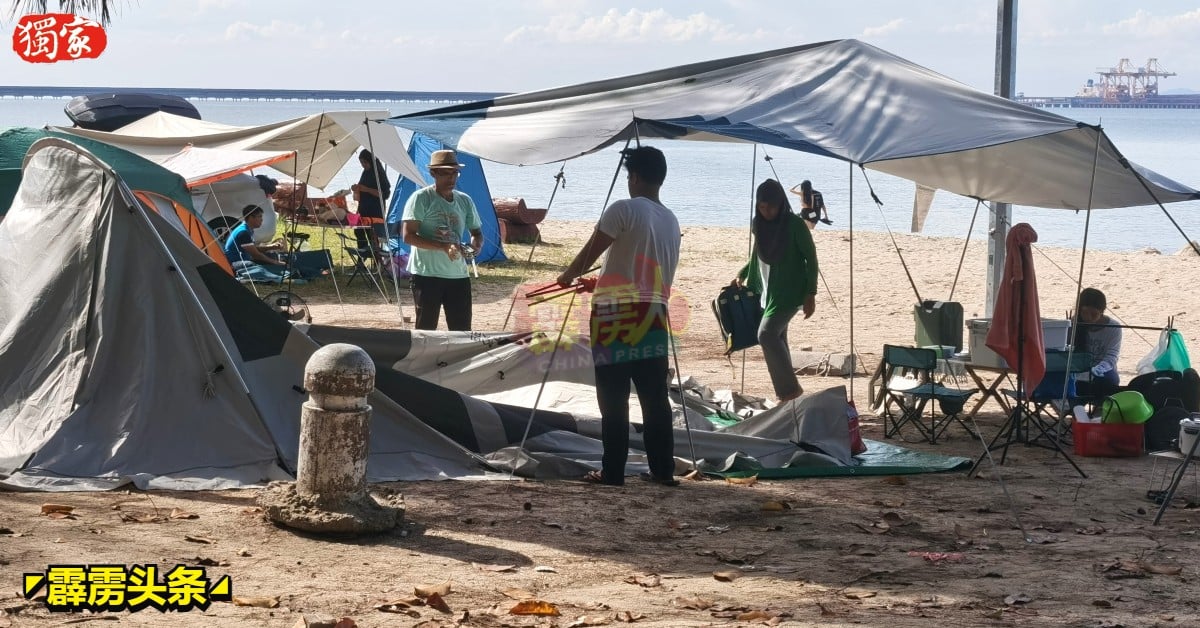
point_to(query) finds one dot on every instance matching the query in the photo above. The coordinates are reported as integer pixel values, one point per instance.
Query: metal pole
(1006, 78)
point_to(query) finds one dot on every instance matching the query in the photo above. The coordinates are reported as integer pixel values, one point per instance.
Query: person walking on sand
(629, 332)
(434, 222)
(782, 268)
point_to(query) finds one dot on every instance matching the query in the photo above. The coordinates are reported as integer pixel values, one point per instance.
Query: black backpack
(738, 311)
(1167, 388)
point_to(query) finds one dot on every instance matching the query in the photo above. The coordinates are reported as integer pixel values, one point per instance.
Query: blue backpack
(739, 312)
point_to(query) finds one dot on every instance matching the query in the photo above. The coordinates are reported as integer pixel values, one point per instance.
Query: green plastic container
(1127, 406)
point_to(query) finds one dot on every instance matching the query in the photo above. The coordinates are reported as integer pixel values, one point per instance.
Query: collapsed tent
(472, 182)
(323, 142)
(842, 99)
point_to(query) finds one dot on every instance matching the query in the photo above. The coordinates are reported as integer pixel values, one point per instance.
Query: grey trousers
(772, 337)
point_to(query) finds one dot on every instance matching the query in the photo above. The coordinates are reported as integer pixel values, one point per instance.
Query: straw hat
(444, 159)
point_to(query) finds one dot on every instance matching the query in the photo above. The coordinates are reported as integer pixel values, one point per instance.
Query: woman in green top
(782, 268)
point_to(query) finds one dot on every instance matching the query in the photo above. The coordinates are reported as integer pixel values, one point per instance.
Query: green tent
(138, 172)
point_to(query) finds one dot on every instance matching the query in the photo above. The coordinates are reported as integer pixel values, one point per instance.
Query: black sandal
(663, 481)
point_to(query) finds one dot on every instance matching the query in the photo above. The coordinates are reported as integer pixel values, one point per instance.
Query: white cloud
(633, 26)
(276, 29)
(1144, 24)
(885, 29)
(205, 5)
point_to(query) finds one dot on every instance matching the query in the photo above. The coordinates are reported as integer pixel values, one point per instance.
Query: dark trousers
(431, 294)
(649, 376)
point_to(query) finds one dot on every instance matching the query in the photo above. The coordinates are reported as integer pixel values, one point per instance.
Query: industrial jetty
(1121, 86)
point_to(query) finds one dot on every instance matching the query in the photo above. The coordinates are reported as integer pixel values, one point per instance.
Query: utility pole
(1006, 78)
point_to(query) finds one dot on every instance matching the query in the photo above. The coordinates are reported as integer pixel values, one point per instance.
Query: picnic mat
(879, 459)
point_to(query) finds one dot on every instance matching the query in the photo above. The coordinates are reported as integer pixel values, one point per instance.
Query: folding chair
(1055, 396)
(364, 259)
(911, 401)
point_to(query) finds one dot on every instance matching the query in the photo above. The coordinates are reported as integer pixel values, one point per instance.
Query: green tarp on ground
(879, 459)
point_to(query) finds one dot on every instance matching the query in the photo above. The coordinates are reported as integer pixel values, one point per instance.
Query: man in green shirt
(434, 222)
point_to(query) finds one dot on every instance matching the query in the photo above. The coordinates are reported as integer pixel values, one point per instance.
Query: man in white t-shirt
(630, 333)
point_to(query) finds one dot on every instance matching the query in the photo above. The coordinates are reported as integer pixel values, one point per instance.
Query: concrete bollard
(335, 424)
(330, 493)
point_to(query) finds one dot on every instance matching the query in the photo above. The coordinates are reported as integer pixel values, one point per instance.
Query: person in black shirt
(371, 191)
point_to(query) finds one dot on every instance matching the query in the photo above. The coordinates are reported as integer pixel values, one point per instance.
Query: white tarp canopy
(843, 99)
(323, 142)
(199, 166)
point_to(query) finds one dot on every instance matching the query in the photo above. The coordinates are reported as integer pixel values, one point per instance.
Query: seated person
(246, 257)
(1097, 334)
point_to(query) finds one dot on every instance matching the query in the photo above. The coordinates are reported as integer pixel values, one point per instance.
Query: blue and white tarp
(843, 99)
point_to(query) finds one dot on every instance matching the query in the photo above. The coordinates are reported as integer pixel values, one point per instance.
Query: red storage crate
(1108, 440)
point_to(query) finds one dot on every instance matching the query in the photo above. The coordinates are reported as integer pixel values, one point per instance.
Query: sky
(511, 46)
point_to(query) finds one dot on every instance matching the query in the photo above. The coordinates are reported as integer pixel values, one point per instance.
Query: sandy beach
(1029, 543)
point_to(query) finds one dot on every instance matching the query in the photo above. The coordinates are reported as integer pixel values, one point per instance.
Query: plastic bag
(1170, 354)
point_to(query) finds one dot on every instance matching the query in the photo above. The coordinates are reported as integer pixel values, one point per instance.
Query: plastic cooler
(1055, 333)
(1108, 440)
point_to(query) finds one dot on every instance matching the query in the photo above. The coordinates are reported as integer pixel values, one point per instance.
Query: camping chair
(1050, 403)
(918, 364)
(1048, 397)
(365, 259)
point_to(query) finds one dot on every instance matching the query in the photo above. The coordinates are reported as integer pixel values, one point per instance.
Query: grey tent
(842, 99)
(127, 355)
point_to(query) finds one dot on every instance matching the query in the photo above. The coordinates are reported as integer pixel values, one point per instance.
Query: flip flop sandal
(663, 481)
(596, 477)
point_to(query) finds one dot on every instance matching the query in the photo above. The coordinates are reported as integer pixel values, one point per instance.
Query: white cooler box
(1055, 332)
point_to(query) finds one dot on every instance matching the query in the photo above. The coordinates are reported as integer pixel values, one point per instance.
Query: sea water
(712, 183)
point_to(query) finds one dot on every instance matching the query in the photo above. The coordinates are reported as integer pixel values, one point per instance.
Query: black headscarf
(772, 236)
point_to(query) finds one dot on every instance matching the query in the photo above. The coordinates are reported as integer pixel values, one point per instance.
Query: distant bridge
(198, 93)
(1172, 101)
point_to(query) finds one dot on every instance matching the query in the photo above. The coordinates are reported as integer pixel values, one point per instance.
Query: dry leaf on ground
(257, 602)
(648, 580)
(534, 607)
(176, 513)
(436, 602)
(199, 539)
(426, 590)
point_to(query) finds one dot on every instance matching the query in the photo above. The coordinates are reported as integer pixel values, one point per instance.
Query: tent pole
(1006, 78)
(559, 180)
(379, 176)
(750, 245)
(854, 370)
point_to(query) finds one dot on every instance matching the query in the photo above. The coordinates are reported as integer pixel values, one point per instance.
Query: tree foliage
(86, 7)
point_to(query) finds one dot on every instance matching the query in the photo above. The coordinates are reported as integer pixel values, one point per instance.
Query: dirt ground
(1029, 543)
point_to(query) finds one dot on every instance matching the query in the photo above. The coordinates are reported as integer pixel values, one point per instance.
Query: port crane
(1125, 83)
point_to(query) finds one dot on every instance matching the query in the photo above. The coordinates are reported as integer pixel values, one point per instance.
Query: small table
(989, 390)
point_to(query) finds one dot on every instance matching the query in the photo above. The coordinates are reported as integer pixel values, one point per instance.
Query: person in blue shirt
(240, 249)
